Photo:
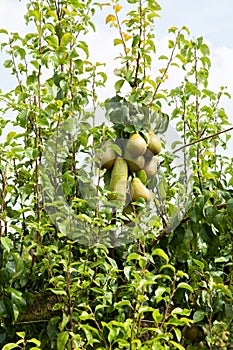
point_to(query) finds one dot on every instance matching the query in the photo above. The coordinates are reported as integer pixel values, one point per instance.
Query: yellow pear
(148, 154)
(107, 156)
(136, 145)
(118, 181)
(154, 143)
(139, 190)
(151, 166)
(134, 163)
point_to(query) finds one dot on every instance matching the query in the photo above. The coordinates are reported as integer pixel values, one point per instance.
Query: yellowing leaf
(117, 42)
(117, 8)
(126, 36)
(110, 18)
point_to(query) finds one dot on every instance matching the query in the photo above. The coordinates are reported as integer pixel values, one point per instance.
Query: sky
(211, 19)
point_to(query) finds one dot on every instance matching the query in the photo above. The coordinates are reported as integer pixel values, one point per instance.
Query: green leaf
(176, 345)
(118, 85)
(133, 256)
(34, 341)
(21, 335)
(205, 50)
(170, 44)
(180, 311)
(62, 340)
(65, 40)
(172, 29)
(52, 41)
(161, 253)
(117, 41)
(83, 46)
(198, 316)
(3, 31)
(185, 286)
(7, 243)
(230, 207)
(225, 290)
(10, 346)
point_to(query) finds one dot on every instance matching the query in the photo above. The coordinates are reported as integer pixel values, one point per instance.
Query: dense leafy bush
(64, 283)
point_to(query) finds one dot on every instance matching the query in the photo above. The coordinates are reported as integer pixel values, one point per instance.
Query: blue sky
(211, 19)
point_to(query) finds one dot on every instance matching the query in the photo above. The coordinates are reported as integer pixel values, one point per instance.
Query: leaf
(117, 41)
(83, 46)
(223, 289)
(21, 335)
(230, 207)
(10, 346)
(177, 333)
(62, 340)
(118, 85)
(116, 148)
(117, 8)
(163, 57)
(170, 44)
(172, 29)
(52, 41)
(7, 243)
(176, 345)
(133, 256)
(110, 18)
(205, 50)
(57, 291)
(161, 253)
(3, 31)
(185, 286)
(180, 311)
(159, 291)
(65, 40)
(198, 316)
(34, 341)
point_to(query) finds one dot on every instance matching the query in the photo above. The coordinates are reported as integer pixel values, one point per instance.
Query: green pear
(139, 190)
(136, 145)
(118, 181)
(151, 166)
(154, 143)
(107, 156)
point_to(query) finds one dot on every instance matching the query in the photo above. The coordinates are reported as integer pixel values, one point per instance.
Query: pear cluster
(138, 162)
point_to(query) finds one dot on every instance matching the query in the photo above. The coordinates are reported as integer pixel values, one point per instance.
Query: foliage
(59, 290)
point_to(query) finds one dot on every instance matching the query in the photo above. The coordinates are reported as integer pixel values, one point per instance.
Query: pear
(192, 332)
(139, 190)
(107, 156)
(136, 145)
(118, 181)
(151, 166)
(154, 143)
(134, 163)
(148, 154)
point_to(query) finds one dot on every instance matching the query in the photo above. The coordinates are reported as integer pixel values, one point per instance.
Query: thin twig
(202, 139)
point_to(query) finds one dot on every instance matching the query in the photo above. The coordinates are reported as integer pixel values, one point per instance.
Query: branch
(169, 229)
(166, 69)
(202, 139)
